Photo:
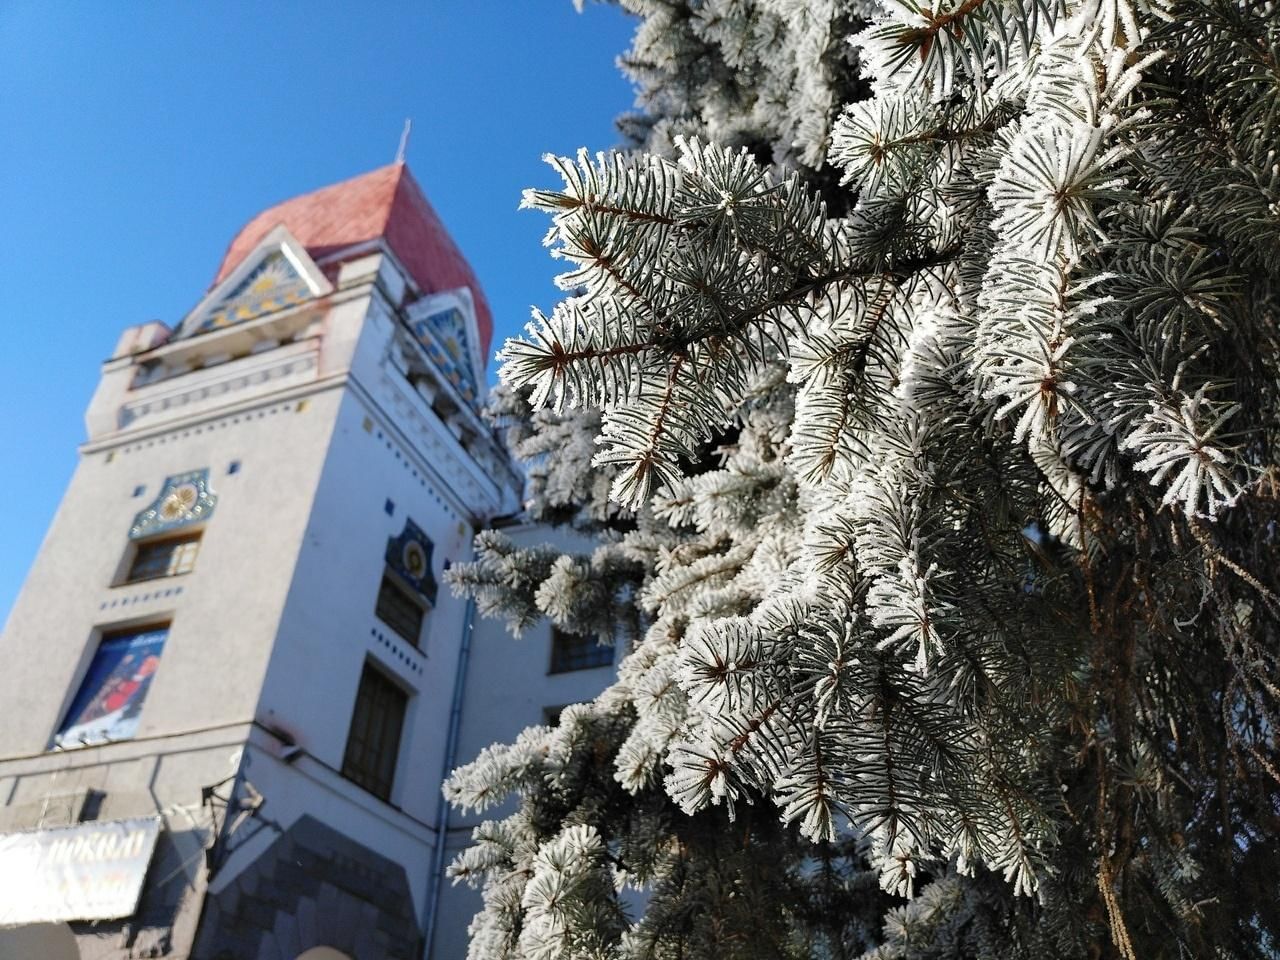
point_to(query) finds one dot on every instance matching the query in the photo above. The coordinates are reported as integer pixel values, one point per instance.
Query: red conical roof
(386, 203)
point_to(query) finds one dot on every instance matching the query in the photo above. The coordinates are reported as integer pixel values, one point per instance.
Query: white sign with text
(88, 871)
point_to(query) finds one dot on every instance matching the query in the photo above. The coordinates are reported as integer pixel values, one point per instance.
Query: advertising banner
(109, 702)
(89, 871)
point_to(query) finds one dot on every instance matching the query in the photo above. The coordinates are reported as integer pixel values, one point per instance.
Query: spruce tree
(918, 372)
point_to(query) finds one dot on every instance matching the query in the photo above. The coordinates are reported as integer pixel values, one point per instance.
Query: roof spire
(404, 139)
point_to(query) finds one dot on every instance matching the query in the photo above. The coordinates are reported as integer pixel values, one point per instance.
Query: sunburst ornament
(184, 499)
(178, 503)
(444, 335)
(272, 285)
(409, 555)
(415, 559)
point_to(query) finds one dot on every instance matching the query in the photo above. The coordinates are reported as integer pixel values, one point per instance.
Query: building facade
(235, 679)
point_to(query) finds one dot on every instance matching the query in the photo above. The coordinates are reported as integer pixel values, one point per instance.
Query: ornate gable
(278, 274)
(444, 323)
(272, 285)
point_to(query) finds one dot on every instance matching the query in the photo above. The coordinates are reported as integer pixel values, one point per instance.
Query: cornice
(168, 398)
(436, 453)
(213, 414)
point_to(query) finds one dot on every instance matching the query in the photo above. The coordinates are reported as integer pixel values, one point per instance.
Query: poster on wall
(109, 703)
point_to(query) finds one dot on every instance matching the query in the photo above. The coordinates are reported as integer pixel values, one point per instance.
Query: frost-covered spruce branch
(939, 425)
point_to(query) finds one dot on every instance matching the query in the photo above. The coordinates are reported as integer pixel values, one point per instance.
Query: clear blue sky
(135, 139)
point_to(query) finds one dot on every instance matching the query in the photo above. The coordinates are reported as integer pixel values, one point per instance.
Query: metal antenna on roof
(404, 140)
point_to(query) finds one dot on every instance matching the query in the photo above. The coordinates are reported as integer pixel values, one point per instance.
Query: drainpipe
(434, 882)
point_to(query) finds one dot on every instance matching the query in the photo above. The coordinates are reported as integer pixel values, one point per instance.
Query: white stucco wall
(222, 615)
(330, 629)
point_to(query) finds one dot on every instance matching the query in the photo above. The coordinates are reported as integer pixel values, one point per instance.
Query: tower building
(233, 677)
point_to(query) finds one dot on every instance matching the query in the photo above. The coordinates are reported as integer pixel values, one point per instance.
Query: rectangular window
(167, 557)
(109, 702)
(573, 651)
(374, 741)
(399, 609)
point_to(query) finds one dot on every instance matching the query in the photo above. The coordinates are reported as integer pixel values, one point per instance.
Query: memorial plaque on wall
(89, 871)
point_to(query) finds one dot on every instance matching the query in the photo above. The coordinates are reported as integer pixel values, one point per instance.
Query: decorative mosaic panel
(409, 555)
(272, 285)
(184, 499)
(444, 334)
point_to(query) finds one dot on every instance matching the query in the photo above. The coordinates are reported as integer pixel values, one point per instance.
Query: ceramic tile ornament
(272, 285)
(409, 555)
(441, 323)
(184, 499)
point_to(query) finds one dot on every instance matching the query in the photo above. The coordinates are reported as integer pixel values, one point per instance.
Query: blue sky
(135, 139)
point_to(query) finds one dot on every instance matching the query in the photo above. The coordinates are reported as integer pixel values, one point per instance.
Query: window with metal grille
(167, 557)
(573, 651)
(374, 741)
(399, 609)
